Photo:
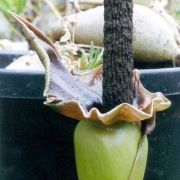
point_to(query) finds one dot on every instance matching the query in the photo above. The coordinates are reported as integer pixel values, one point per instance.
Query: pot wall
(35, 142)
(164, 145)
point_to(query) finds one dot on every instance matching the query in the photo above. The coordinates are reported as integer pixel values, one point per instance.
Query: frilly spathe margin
(79, 94)
(144, 105)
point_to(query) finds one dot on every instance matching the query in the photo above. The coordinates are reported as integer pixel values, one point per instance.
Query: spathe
(79, 95)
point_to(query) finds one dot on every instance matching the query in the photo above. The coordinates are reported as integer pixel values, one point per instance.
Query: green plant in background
(176, 14)
(91, 59)
(18, 6)
(13, 5)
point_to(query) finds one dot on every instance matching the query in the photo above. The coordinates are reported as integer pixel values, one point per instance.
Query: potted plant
(41, 74)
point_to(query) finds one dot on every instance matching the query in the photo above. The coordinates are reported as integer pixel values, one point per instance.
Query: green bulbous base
(109, 152)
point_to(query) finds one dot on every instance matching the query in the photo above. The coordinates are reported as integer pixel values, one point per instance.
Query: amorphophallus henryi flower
(108, 146)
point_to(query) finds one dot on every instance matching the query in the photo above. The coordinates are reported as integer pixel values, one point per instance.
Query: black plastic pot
(37, 143)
